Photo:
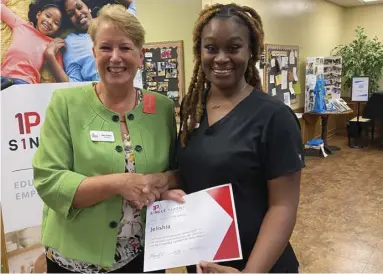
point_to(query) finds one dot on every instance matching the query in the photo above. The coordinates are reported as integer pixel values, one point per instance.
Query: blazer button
(138, 148)
(119, 148)
(113, 224)
(115, 118)
(130, 116)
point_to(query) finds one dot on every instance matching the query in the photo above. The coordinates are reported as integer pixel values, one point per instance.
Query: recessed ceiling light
(366, 1)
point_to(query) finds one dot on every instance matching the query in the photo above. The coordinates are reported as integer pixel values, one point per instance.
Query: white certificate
(204, 227)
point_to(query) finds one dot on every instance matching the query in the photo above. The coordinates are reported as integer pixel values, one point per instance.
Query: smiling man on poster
(204, 227)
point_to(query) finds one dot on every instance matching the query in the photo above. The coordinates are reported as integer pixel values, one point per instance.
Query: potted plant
(362, 57)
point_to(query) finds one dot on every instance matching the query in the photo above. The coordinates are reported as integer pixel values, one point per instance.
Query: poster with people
(47, 41)
(44, 46)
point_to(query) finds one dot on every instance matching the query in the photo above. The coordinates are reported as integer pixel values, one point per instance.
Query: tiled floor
(340, 219)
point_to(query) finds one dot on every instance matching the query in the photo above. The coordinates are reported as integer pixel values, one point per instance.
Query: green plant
(362, 57)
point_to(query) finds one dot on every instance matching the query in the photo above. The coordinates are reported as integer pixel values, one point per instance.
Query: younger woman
(25, 56)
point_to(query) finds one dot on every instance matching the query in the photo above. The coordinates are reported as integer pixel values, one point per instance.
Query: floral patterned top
(131, 230)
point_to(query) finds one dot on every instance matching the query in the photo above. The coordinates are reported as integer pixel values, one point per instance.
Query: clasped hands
(144, 189)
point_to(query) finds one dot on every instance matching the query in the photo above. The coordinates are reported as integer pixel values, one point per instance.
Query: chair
(358, 132)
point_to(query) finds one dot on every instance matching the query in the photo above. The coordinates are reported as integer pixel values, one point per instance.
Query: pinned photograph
(328, 61)
(152, 86)
(337, 61)
(171, 73)
(173, 95)
(161, 68)
(310, 68)
(150, 66)
(148, 54)
(163, 86)
(171, 63)
(166, 53)
(151, 76)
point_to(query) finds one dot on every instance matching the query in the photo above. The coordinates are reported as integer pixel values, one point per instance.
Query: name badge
(101, 136)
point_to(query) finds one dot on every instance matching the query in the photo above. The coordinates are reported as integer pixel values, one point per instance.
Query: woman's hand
(206, 267)
(142, 190)
(53, 47)
(174, 195)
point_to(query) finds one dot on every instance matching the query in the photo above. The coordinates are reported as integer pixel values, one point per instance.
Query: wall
(170, 20)
(369, 17)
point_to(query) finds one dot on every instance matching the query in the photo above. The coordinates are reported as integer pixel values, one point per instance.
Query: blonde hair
(122, 19)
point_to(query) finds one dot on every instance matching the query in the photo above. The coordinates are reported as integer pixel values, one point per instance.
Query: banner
(22, 114)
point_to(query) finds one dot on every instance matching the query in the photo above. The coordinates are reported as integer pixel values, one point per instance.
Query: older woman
(104, 138)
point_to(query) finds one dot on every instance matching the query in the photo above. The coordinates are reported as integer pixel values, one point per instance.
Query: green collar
(104, 112)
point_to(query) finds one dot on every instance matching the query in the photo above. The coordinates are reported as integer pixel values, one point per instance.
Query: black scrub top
(259, 140)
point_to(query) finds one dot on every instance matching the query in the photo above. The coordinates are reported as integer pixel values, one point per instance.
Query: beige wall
(170, 20)
(368, 17)
(314, 25)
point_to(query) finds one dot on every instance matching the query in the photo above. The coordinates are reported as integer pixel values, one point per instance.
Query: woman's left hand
(206, 267)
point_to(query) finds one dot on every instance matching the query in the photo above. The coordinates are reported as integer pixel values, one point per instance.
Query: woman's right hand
(54, 46)
(143, 189)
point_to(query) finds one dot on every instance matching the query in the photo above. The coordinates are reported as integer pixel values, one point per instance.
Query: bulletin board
(281, 72)
(163, 70)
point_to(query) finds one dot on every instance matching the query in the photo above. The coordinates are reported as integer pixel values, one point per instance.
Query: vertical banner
(22, 114)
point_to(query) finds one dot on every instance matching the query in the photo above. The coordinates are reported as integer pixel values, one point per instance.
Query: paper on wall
(279, 59)
(292, 58)
(284, 79)
(285, 61)
(278, 80)
(272, 79)
(286, 98)
(274, 92)
(295, 74)
(272, 63)
(292, 91)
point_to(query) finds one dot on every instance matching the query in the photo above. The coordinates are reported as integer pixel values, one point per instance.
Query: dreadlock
(192, 108)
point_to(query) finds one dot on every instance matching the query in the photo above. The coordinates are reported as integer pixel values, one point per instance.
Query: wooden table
(311, 118)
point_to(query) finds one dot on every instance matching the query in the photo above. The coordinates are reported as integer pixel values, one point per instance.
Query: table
(310, 117)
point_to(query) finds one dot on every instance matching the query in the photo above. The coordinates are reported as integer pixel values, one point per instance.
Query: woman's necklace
(222, 103)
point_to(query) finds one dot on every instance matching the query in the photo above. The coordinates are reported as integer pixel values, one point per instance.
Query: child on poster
(25, 55)
(79, 63)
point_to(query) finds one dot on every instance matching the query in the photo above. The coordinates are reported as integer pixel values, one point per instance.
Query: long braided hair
(192, 108)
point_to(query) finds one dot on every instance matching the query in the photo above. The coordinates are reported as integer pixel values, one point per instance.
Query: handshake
(144, 189)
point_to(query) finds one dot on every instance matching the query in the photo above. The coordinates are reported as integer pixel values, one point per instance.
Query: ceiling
(352, 3)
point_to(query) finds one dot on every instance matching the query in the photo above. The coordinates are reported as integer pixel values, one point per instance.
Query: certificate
(204, 227)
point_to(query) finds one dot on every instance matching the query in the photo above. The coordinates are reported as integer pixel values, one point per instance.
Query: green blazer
(67, 155)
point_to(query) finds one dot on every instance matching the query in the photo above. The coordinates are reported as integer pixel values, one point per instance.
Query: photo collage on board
(330, 68)
(161, 72)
